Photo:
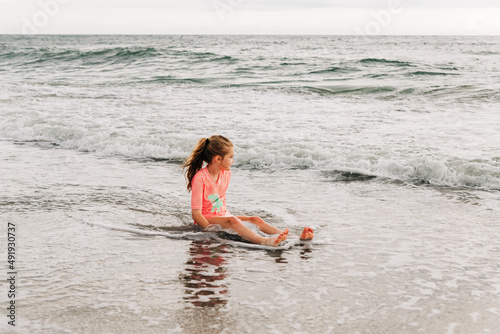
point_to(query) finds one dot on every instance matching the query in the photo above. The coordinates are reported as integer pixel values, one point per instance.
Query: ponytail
(205, 150)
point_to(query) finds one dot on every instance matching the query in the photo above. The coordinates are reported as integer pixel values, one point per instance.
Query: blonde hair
(205, 150)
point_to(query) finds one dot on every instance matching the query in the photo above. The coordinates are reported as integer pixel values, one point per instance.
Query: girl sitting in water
(208, 187)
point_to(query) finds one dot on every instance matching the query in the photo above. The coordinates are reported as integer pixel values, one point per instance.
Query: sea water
(388, 147)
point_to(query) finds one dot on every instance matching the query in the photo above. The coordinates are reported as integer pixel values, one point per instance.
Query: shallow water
(379, 263)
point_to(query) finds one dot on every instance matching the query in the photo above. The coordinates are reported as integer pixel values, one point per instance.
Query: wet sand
(380, 261)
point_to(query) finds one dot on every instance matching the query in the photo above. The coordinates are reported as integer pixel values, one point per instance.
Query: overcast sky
(325, 17)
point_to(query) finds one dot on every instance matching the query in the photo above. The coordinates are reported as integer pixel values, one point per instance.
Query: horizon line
(256, 34)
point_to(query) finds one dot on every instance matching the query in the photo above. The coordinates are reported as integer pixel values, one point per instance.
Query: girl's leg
(236, 225)
(307, 233)
(261, 224)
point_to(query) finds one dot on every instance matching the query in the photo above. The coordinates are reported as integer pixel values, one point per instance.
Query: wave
(128, 61)
(351, 90)
(292, 64)
(437, 171)
(388, 92)
(484, 53)
(335, 69)
(172, 79)
(348, 176)
(111, 55)
(451, 173)
(51, 54)
(384, 61)
(417, 73)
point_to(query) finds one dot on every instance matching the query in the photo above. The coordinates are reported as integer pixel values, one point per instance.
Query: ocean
(387, 146)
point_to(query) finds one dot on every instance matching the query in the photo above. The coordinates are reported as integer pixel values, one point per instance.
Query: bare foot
(279, 238)
(307, 234)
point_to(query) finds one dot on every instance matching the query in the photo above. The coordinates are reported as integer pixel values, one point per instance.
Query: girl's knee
(256, 220)
(232, 221)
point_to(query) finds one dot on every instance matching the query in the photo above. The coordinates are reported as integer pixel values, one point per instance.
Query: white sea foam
(287, 244)
(163, 124)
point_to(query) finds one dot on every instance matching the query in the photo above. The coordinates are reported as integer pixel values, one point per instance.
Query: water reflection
(205, 277)
(278, 256)
(306, 252)
(205, 274)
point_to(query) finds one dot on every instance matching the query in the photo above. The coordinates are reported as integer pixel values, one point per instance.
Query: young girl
(208, 187)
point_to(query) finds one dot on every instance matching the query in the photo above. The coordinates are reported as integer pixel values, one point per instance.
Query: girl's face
(227, 161)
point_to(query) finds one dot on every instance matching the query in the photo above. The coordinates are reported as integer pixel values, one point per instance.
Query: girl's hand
(199, 219)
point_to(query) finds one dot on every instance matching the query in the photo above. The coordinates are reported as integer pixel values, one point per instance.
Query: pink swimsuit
(210, 196)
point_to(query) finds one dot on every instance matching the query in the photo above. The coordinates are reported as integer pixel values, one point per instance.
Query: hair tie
(207, 142)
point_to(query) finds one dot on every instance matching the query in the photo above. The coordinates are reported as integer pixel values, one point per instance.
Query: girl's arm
(199, 219)
(197, 202)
